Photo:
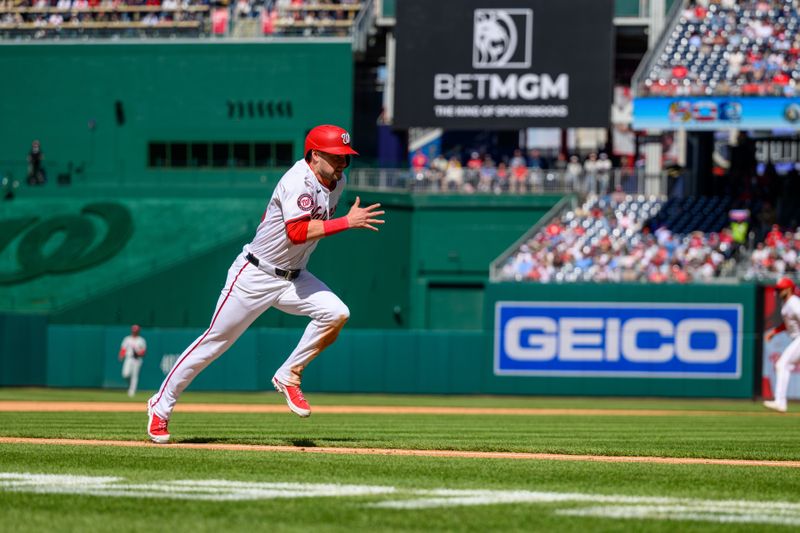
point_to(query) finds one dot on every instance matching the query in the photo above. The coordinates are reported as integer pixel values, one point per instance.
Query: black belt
(288, 275)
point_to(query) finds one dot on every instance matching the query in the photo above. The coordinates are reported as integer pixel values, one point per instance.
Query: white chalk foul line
(213, 490)
(613, 506)
(757, 514)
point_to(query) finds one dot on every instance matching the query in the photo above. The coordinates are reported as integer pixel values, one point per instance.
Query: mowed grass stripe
(127, 407)
(318, 399)
(407, 452)
(750, 438)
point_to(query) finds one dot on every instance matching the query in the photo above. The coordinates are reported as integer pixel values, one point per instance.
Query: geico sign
(596, 339)
(618, 339)
(497, 87)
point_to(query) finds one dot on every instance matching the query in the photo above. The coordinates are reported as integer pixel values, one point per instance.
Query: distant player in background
(790, 312)
(270, 272)
(131, 353)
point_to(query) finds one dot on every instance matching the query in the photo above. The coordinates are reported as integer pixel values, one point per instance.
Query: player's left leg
(136, 367)
(126, 367)
(310, 297)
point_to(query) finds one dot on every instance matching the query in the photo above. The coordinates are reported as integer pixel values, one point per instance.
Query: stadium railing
(304, 20)
(362, 25)
(630, 181)
(647, 62)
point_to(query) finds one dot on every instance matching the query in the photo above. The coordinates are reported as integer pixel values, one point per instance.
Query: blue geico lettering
(618, 339)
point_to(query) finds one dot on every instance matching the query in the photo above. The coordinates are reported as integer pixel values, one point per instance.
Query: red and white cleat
(294, 398)
(157, 428)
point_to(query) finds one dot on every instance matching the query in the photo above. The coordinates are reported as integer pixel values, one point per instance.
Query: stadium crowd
(52, 18)
(519, 173)
(777, 255)
(730, 47)
(320, 17)
(607, 240)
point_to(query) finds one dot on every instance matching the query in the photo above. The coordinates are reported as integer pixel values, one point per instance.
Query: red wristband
(335, 226)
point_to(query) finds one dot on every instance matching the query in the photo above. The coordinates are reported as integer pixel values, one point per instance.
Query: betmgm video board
(716, 113)
(503, 64)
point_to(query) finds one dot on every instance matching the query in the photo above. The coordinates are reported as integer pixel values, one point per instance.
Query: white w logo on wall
(502, 38)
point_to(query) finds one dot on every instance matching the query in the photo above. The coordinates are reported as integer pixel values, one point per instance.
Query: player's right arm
(296, 199)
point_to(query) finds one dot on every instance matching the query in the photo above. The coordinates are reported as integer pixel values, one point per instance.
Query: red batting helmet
(329, 139)
(784, 283)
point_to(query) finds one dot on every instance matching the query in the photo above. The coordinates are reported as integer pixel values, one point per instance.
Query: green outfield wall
(156, 112)
(378, 360)
(23, 350)
(415, 362)
(375, 360)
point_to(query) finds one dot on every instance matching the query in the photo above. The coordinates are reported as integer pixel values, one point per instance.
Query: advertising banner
(510, 64)
(608, 339)
(716, 113)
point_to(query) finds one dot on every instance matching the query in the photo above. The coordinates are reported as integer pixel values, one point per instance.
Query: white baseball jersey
(133, 345)
(299, 195)
(790, 312)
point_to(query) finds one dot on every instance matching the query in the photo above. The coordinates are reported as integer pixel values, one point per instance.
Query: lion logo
(501, 38)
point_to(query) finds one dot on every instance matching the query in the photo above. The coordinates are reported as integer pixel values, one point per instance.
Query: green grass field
(45, 487)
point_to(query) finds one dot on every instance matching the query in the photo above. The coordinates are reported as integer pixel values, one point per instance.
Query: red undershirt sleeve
(297, 230)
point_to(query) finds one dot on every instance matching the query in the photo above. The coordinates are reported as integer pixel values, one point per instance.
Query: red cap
(784, 283)
(135, 328)
(329, 139)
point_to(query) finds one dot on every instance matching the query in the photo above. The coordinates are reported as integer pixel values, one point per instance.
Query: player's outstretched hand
(364, 217)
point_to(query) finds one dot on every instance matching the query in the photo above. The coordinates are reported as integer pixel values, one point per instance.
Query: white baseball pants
(248, 292)
(130, 371)
(783, 370)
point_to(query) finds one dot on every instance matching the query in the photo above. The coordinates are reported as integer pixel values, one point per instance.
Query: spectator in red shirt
(775, 236)
(419, 162)
(475, 162)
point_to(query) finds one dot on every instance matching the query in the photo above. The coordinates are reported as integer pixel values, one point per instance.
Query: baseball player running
(131, 353)
(270, 272)
(790, 312)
